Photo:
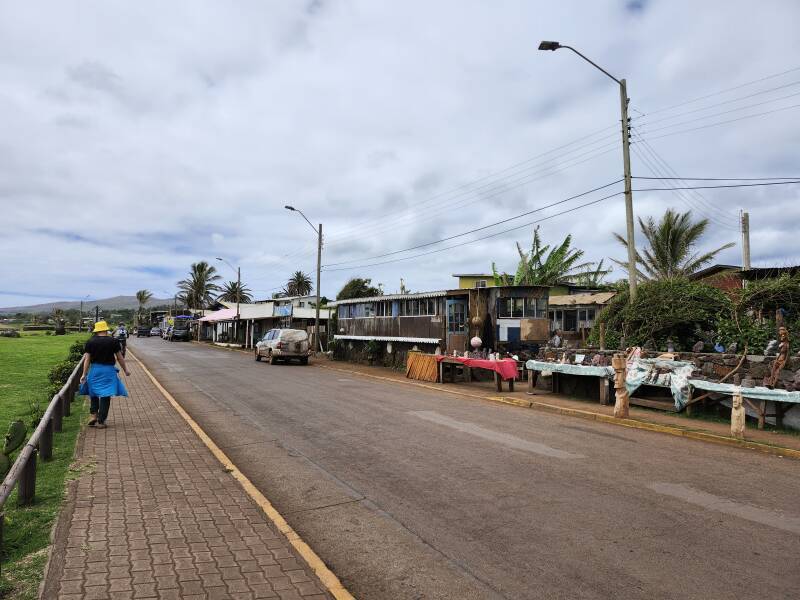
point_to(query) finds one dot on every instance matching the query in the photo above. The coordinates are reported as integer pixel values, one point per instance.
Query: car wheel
(304, 360)
(258, 356)
(272, 359)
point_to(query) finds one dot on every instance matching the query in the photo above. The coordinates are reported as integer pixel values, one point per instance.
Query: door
(456, 325)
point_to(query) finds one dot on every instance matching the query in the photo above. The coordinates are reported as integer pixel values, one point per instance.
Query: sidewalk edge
(593, 416)
(326, 576)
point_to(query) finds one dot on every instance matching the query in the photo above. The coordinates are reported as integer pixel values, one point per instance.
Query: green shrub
(60, 372)
(76, 350)
(677, 309)
(373, 350)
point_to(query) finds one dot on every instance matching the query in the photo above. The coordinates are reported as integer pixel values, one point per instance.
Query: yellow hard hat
(100, 326)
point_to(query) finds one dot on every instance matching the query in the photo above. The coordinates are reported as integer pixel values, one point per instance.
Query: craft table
(602, 374)
(505, 369)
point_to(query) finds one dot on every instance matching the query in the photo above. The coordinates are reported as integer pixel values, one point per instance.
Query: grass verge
(24, 388)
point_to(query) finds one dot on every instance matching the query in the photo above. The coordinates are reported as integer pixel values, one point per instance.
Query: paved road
(410, 493)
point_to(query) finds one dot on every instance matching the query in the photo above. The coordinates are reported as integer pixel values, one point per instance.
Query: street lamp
(80, 319)
(626, 159)
(317, 231)
(238, 294)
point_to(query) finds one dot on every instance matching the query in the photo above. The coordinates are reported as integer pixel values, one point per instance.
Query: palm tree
(540, 267)
(593, 276)
(197, 290)
(671, 247)
(143, 297)
(231, 290)
(299, 284)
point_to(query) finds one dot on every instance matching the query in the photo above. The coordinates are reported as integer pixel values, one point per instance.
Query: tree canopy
(358, 287)
(299, 284)
(197, 290)
(670, 250)
(543, 266)
(231, 290)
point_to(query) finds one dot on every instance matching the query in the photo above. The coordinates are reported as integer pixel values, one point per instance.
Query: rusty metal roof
(596, 298)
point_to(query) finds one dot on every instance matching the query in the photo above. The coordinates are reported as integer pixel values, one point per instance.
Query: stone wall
(710, 366)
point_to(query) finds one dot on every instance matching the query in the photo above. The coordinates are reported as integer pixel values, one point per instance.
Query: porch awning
(224, 314)
(388, 338)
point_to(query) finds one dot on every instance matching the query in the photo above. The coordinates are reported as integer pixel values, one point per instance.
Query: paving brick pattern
(155, 515)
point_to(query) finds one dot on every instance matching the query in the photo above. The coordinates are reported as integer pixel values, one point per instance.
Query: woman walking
(99, 380)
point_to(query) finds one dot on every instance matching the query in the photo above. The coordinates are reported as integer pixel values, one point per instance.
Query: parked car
(181, 332)
(142, 331)
(283, 344)
(155, 331)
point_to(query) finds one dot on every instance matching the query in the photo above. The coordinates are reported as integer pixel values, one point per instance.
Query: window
(383, 309)
(480, 283)
(369, 309)
(456, 317)
(301, 304)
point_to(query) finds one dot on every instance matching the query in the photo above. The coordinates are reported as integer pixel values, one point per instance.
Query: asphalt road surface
(411, 493)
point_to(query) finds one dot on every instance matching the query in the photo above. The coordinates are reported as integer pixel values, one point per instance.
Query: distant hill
(114, 303)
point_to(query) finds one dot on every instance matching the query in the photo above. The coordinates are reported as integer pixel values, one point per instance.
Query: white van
(283, 344)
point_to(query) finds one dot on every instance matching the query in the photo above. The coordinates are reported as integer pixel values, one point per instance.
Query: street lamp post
(626, 159)
(318, 232)
(238, 295)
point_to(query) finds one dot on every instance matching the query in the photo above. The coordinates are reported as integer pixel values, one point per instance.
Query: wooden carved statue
(780, 360)
(737, 416)
(621, 405)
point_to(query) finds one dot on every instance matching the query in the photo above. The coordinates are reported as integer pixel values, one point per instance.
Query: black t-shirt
(102, 348)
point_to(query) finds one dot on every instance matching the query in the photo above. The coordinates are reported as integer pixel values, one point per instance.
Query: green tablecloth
(757, 393)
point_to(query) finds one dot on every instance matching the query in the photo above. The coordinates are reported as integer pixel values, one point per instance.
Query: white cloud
(138, 138)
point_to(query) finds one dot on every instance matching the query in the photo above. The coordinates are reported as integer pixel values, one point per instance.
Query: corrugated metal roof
(582, 299)
(437, 294)
(388, 338)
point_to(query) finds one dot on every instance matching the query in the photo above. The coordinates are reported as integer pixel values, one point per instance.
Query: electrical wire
(486, 237)
(718, 178)
(452, 237)
(721, 218)
(725, 91)
(710, 187)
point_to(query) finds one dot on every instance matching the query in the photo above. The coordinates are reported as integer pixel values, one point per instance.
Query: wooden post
(602, 336)
(603, 383)
(441, 371)
(779, 411)
(622, 404)
(762, 413)
(737, 416)
(26, 491)
(531, 382)
(510, 384)
(46, 441)
(66, 401)
(58, 414)
(498, 382)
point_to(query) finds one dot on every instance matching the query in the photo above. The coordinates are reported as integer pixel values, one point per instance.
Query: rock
(747, 382)
(758, 371)
(708, 369)
(698, 347)
(755, 358)
(786, 375)
(733, 348)
(731, 362)
(772, 348)
(797, 379)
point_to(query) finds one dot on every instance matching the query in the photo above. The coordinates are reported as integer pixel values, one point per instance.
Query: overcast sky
(139, 137)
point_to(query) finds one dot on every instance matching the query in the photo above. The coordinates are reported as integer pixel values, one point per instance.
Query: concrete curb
(593, 416)
(326, 576)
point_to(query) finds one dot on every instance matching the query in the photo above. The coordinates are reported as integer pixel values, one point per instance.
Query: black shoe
(92, 423)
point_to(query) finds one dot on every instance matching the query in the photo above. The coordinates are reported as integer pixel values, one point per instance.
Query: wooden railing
(23, 472)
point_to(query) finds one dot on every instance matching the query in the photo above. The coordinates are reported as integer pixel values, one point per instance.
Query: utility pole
(626, 160)
(745, 219)
(238, 298)
(80, 319)
(96, 313)
(318, 342)
(745, 216)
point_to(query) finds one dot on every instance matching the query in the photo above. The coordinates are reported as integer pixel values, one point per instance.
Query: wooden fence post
(66, 400)
(58, 413)
(26, 491)
(46, 441)
(621, 406)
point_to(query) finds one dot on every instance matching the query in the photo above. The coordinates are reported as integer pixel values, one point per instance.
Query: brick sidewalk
(155, 515)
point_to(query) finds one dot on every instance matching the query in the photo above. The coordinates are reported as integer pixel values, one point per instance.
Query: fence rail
(23, 472)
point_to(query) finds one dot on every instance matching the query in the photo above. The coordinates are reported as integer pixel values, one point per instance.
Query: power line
(486, 237)
(709, 187)
(725, 91)
(719, 178)
(452, 237)
(722, 219)
(769, 112)
(719, 114)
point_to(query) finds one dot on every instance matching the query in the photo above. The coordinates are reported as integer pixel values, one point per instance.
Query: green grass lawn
(24, 366)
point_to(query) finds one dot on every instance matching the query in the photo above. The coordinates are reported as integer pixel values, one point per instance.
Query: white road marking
(493, 436)
(764, 516)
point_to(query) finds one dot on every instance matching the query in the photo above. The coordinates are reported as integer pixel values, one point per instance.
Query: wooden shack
(446, 319)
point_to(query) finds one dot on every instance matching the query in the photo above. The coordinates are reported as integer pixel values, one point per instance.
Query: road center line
(729, 507)
(493, 436)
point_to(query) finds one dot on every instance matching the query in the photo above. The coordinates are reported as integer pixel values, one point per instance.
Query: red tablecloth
(507, 368)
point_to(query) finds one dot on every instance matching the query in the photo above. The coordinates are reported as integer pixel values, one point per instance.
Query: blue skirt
(103, 381)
